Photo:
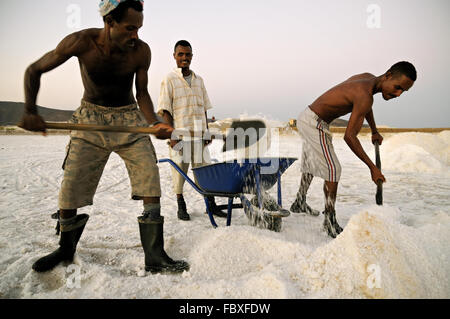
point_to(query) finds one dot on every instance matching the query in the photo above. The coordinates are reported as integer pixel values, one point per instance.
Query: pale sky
(271, 57)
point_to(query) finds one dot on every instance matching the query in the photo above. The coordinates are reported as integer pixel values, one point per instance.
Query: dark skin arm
(361, 107)
(31, 120)
(169, 119)
(376, 137)
(143, 97)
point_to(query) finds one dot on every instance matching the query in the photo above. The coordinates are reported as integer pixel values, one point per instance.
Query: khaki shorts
(88, 152)
(318, 156)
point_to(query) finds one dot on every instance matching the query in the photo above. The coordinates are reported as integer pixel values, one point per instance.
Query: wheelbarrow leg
(258, 187)
(280, 203)
(230, 208)
(210, 214)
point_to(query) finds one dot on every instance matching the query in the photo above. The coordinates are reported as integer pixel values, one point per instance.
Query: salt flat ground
(399, 250)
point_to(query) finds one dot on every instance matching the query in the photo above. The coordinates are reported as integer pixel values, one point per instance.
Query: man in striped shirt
(354, 96)
(183, 103)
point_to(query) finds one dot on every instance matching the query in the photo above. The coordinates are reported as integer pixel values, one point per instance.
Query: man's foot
(330, 224)
(182, 211)
(303, 208)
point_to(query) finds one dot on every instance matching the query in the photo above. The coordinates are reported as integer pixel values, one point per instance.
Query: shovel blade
(243, 134)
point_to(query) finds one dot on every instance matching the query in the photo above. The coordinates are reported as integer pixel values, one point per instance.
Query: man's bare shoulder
(361, 91)
(143, 53)
(78, 42)
(361, 77)
(360, 84)
(142, 45)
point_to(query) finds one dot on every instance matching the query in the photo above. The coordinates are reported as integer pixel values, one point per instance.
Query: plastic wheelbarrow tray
(238, 176)
(234, 179)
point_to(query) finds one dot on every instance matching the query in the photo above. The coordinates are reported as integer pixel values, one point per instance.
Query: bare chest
(99, 68)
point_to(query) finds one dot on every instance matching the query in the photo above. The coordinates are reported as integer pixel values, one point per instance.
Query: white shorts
(318, 156)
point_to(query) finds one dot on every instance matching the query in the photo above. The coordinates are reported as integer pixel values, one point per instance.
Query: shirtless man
(354, 96)
(109, 60)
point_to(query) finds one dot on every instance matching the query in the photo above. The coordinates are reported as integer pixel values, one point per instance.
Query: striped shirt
(187, 104)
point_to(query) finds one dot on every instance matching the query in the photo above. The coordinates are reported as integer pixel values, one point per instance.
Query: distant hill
(335, 123)
(341, 123)
(11, 113)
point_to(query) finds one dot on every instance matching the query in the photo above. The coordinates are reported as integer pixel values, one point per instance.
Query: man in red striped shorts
(354, 96)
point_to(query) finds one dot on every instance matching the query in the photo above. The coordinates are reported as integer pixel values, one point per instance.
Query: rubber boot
(156, 259)
(70, 235)
(182, 210)
(58, 225)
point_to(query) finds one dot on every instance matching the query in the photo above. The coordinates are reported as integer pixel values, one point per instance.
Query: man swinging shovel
(109, 60)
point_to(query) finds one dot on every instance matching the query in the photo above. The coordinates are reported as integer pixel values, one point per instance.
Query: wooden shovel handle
(100, 128)
(118, 129)
(379, 194)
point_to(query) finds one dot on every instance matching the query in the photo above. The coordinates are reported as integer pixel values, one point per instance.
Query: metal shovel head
(243, 134)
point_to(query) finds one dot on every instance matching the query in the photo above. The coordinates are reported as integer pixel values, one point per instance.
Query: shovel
(379, 194)
(244, 134)
(240, 140)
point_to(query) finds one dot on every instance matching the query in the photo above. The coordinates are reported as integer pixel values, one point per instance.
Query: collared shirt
(187, 104)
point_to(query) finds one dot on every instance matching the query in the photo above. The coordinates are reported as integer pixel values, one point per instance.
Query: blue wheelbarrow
(234, 179)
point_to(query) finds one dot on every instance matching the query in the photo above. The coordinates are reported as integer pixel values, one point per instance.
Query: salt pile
(417, 152)
(399, 250)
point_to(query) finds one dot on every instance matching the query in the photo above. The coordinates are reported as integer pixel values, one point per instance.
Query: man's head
(183, 54)
(399, 78)
(123, 19)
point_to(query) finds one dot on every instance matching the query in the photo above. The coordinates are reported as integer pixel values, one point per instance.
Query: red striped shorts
(318, 155)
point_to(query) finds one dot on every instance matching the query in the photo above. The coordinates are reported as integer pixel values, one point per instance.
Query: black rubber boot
(182, 210)
(58, 226)
(215, 210)
(70, 235)
(152, 239)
